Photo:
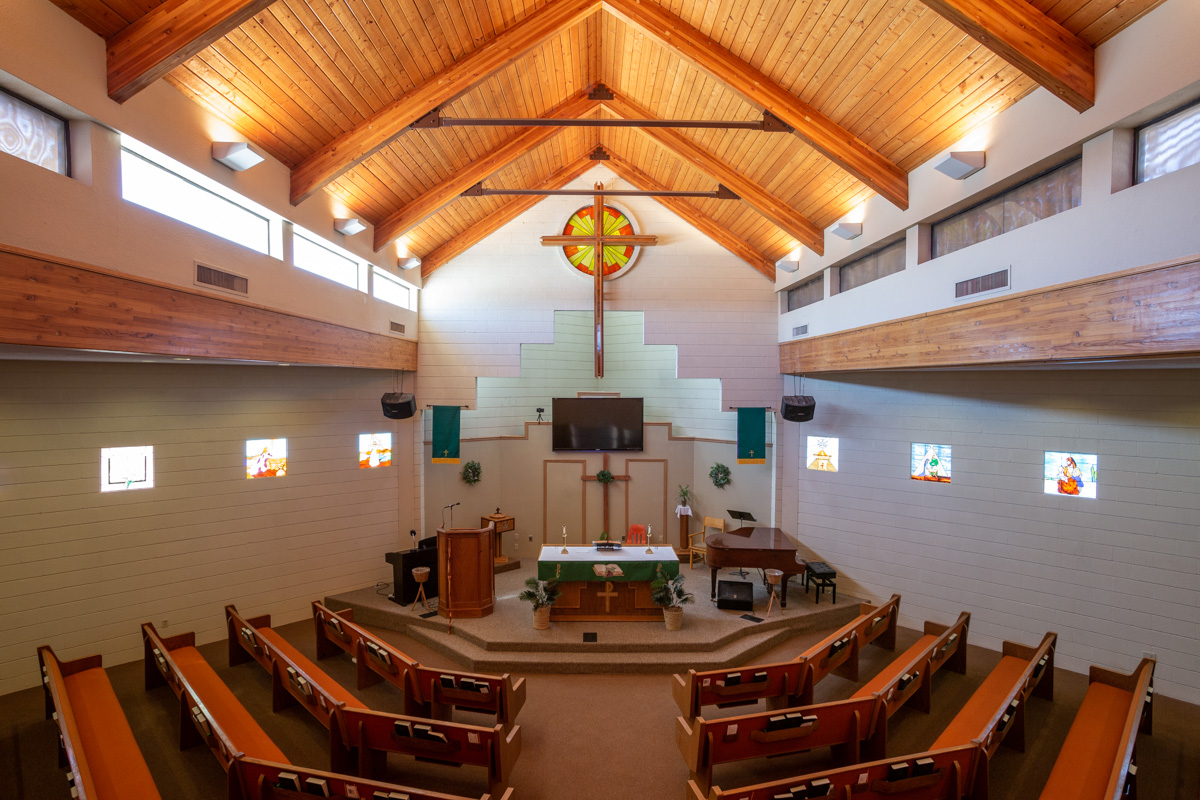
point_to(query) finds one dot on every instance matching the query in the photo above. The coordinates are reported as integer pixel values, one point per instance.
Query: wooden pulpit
(466, 579)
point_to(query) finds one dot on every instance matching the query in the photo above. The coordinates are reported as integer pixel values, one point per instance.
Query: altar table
(588, 596)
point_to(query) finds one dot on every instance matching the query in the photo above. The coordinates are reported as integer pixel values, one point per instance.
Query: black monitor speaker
(399, 406)
(798, 408)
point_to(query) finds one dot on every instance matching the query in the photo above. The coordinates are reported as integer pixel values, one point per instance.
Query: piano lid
(751, 539)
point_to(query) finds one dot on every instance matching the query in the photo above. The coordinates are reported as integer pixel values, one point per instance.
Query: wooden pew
(1096, 760)
(361, 740)
(294, 679)
(956, 773)
(996, 711)
(790, 683)
(209, 714)
(263, 780)
(856, 729)
(94, 737)
(427, 692)
(912, 673)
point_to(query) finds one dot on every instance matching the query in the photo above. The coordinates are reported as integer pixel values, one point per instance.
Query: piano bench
(821, 576)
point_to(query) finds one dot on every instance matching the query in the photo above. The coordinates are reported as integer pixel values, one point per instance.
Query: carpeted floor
(583, 736)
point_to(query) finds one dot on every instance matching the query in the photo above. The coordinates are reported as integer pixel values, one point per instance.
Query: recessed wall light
(235, 155)
(409, 263)
(848, 230)
(349, 225)
(963, 164)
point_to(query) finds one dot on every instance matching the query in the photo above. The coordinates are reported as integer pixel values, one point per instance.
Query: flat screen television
(597, 423)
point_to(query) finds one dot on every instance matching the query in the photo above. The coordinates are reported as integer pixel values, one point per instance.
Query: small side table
(504, 523)
(421, 576)
(821, 576)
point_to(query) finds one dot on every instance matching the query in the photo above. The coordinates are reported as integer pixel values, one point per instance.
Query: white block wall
(1115, 577)
(81, 570)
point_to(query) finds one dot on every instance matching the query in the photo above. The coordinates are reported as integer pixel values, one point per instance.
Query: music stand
(742, 517)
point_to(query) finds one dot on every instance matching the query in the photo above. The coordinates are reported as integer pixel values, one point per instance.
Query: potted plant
(669, 594)
(719, 475)
(684, 496)
(543, 594)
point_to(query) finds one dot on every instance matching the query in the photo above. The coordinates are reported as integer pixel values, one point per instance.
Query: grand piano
(753, 548)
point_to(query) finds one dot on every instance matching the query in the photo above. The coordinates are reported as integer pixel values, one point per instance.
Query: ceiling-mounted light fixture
(411, 262)
(848, 230)
(235, 155)
(962, 165)
(349, 225)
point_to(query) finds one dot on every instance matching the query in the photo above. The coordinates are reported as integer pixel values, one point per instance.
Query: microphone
(452, 505)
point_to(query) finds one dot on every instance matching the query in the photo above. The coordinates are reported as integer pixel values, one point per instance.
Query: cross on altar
(608, 594)
(604, 245)
(605, 485)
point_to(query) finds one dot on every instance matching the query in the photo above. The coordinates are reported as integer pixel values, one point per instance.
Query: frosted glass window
(125, 468)
(266, 458)
(31, 134)
(391, 290)
(1169, 144)
(806, 293)
(1044, 196)
(158, 189)
(318, 259)
(374, 450)
(872, 267)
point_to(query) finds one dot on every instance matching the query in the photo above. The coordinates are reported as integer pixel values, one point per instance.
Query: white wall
(1115, 577)
(81, 570)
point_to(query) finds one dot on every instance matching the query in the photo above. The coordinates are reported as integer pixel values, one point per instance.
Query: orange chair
(701, 550)
(637, 535)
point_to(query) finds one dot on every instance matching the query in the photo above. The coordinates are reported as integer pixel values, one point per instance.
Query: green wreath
(472, 473)
(719, 475)
(604, 476)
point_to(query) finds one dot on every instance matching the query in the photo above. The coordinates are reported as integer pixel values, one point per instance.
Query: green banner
(445, 434)
(752, 436)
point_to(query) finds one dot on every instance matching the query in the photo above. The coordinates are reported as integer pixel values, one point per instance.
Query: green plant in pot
(543, 595)
(669, 594)
(684, 496)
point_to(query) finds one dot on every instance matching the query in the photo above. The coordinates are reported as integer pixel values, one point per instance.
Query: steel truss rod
(478, 190)
(434, 119)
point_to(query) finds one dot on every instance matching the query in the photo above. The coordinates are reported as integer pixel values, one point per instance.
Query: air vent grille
(984, 283)
(208, 276)
(397, 327)
(800, 331)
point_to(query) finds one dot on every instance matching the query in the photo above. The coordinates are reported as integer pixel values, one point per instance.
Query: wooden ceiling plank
(720, 170)
(359, 142)
(96, 17)
(1116, 19)
(369, 49)
(792, 72)
(153, 45)
(855, 55)
(1031, 41)
(693, 216)
(847, 150)
(505, 214)
(405, 219)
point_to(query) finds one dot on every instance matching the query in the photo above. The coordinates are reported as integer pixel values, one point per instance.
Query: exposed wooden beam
(363, 139)
(494, 222)
(46, 302)
(156, 43)
(1150, 312)
(410, 216)
(694, 216)
(1023, 36)
(829, 138)
(791, 221)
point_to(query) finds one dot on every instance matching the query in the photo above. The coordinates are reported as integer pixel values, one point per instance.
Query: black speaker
(798, 408)
(398, 406)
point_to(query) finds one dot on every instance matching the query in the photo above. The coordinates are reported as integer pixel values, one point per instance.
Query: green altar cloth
(580, 563)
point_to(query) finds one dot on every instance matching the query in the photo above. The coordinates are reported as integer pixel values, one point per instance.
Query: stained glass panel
(31, 134)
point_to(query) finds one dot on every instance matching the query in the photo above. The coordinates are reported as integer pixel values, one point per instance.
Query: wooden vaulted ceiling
(873, 88)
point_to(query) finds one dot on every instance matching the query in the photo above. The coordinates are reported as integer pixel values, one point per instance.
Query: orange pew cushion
(243, 732)
(112, 754)
(335, 689)
(896, 667)
(1090, 752)
(969, 723)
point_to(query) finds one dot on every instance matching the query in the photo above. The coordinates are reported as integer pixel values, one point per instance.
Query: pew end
(686, 693)
(693, 792)
(687, 739)
(951, 655)
(885, 637)
(1042, 679)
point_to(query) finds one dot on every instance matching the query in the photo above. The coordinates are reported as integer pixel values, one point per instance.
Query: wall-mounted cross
(605, 485)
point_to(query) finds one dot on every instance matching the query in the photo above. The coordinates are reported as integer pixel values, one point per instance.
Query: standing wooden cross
(601, 239)
(605, 485)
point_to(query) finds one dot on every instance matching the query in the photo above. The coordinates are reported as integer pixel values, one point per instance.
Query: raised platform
(506, 641)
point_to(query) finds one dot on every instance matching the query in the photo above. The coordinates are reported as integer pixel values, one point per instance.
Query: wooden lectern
(466, 579)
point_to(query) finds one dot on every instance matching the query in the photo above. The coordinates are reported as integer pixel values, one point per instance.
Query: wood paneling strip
(156, 43)
(47, 303)
(1031, 41)
(1144, 313)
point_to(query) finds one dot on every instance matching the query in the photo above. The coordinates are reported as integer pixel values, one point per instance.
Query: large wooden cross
(601, 239)
(605, 485)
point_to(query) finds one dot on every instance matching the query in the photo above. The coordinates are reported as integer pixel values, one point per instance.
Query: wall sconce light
(409, 263)
(235, 155)
(848, 230)
(349, 226)
(962, 165)
(787, 265)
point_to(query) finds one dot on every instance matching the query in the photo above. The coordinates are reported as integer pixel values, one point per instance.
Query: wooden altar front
(592, 598)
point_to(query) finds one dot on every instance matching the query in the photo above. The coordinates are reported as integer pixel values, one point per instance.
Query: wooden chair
(637, 535)
(701, 550)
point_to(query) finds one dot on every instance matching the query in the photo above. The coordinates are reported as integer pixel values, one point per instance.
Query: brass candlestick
(649, 538)
(565, 551)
